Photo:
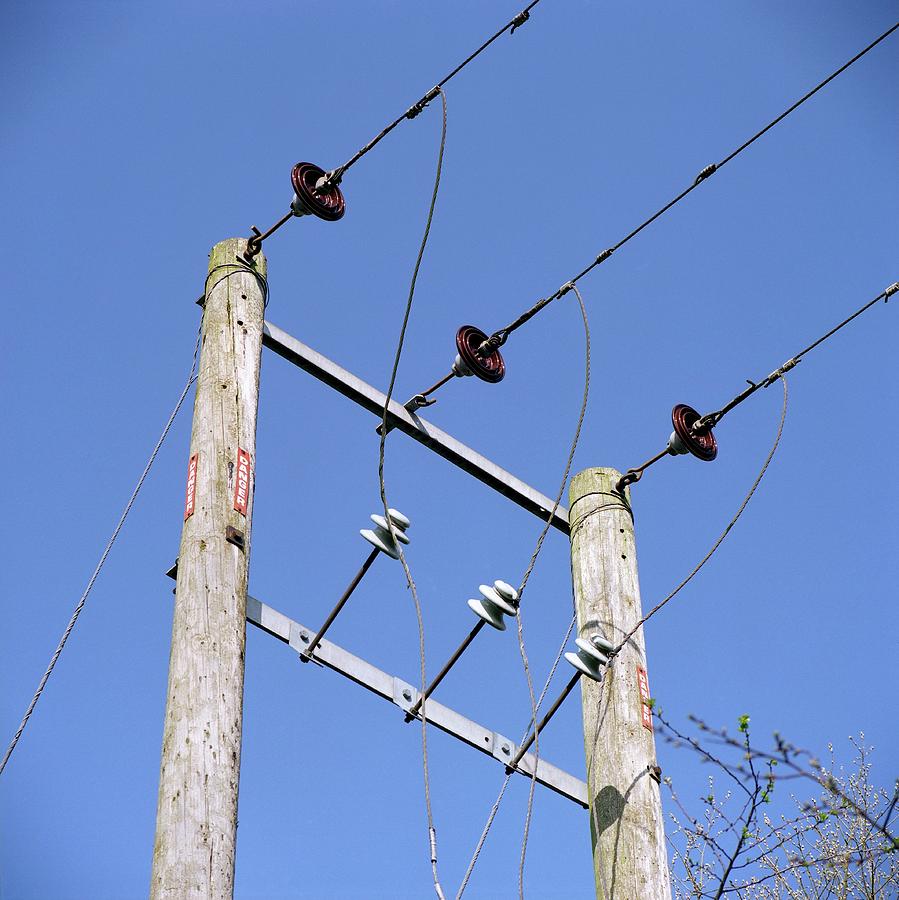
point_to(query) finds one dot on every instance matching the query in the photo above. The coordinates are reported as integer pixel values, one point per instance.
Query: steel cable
(335, 175)
(432, 832)
(723, 535)
(535, 703)
(498, 338)
(106, 551)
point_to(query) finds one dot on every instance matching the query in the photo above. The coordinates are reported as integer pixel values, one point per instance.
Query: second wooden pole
(629, 858)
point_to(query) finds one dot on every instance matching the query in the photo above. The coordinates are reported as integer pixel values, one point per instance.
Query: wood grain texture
(626, 825)
(196, 822)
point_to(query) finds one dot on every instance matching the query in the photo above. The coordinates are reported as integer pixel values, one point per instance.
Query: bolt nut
(407, 694)
(506, 749)
(304, 637)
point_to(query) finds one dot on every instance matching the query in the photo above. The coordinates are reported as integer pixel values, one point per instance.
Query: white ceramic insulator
(506, 591)
(490, 613)
(398, 519)
(584, 665)
(601, 644)
(493, 596)
(382, 525)
(379, 536)
(380, 540)
(586, 648)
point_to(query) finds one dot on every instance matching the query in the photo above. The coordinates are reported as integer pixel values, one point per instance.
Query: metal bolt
(304, 637)
(407, 694)
(506, 749)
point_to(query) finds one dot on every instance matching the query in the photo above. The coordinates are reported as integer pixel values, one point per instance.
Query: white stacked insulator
(379, 536)
(591, 656)
(495, 602)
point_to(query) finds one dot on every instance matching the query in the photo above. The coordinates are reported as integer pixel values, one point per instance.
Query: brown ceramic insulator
(327, 204)
(489, 368)
(702, 444)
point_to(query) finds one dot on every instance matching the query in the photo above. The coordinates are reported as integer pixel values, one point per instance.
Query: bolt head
(506, 749)
(407, 694)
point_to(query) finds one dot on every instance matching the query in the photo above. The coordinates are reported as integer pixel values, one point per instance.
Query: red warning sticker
(242, 484)
(643, 687)
(190, 498)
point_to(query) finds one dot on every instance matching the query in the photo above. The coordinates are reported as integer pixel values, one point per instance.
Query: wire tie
(706, 172)
(890, 291)
(777, 373)
(329, 180)
(419, 401)
(519, 20)
(416, 108)
(604, 255)
(568, 286)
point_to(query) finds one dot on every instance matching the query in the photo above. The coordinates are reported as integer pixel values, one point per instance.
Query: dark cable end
(520, 19)
(706, 172)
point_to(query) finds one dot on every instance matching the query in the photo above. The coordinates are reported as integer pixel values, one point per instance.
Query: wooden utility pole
(196, 819)
(629, 859)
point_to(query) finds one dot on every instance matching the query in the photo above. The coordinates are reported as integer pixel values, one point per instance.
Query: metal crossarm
(405, 696)
(424, 432)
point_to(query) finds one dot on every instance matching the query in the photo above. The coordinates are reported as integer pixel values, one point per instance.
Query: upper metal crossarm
(424, 432)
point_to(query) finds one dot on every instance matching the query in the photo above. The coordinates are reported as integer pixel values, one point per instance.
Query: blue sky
(136, 136)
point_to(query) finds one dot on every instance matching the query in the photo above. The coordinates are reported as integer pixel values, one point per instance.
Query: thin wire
(724, 534)
(499, 337)
(495, 808)
(432, 832)
(535, 704)
(106, 550)
(712, 419)
(336, 174)
(521, 647)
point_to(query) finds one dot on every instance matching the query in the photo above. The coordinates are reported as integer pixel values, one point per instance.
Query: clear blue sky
(135, 136)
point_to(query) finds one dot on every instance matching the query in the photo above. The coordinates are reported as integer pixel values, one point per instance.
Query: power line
(711, 419)
(335, 175)
(535, 704)
(432, 831)
(103, 556)
(321, 196)
(693, 433)
(724, 533)
(498, 338)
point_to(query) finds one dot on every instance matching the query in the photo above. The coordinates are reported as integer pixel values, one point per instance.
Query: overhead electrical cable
(535, 704)
(498, 338)
(543, 533)
(335, 175)
(432, 831)
(317, 191)
(724, 533)
(693, 432)
(103, 556)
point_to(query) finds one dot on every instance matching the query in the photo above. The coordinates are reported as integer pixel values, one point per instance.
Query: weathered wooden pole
(629, 859)
(196, 819)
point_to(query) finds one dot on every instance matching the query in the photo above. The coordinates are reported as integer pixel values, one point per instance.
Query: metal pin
(382, 542)
(413, 711)
(513, 763)
(496, 601)
(306, 655)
